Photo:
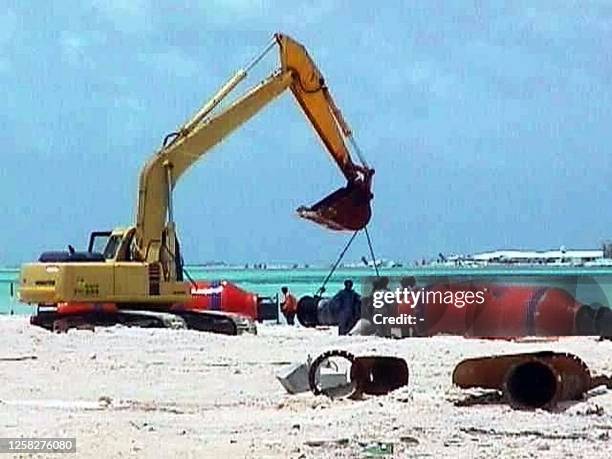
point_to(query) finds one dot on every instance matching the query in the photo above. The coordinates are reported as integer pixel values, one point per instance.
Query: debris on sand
(529, 380)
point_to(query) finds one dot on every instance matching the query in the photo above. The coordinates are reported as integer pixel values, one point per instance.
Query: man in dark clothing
(347, 303)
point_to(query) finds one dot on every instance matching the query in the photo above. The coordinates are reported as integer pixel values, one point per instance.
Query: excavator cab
(103, 246)
(94, 253)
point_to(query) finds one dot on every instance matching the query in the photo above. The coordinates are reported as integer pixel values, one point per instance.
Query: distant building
(561, 256)
(539, 257)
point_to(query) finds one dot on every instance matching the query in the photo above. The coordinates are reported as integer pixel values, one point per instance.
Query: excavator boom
(345, 209)
(186, 149)
(308, 87)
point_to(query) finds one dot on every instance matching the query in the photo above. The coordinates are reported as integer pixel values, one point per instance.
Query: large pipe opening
(380, 375)
(330, 374)
(307, 311)
(532, 384)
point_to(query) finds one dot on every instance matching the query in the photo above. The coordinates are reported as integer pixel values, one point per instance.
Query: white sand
(156, 393)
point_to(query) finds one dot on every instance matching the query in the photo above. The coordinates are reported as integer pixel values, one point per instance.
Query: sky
(488, 123)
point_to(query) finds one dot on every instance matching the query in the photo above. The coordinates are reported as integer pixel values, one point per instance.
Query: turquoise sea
(594, 284)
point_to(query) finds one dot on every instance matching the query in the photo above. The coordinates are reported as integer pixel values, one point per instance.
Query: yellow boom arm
(348, 208)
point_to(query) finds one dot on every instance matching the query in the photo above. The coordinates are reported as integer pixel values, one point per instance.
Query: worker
(406, 308)
(365, 323)
(348, 307)
(288, 305)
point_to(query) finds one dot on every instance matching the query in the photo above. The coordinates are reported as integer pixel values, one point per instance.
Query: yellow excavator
(137, 272)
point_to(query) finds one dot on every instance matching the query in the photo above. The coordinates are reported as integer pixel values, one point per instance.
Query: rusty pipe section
(371, 375)
(379, 375)
(530, 380)
(538, 383)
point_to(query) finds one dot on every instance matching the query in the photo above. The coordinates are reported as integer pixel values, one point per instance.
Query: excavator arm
(345, 209)
(308, 87)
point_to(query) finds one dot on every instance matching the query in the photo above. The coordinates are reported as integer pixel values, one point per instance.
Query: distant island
(559, 257)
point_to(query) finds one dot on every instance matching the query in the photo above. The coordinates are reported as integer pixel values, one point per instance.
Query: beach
(125, 392)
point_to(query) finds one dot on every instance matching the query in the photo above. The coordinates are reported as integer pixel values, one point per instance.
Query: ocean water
(588, 285)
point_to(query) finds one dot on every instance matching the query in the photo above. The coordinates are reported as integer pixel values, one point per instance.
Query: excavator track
(217, 322)
(206, 321)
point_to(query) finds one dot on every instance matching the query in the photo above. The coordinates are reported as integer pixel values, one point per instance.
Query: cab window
(99, 242)
(111, 247)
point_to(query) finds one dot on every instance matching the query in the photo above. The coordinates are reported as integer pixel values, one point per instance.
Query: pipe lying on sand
(313, 311)
(536, 384)
(528, 381)
(379, 375)
(371, 375)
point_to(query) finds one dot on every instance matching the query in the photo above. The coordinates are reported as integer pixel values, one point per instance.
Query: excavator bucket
(346, 209)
